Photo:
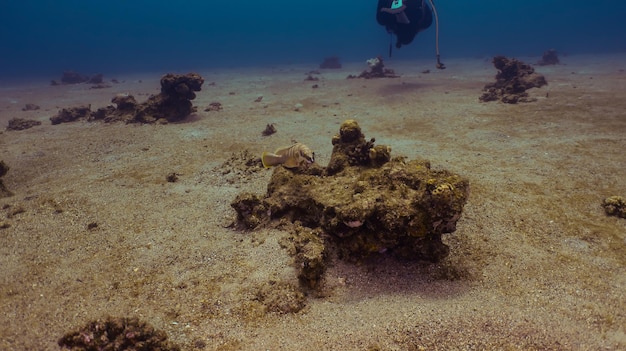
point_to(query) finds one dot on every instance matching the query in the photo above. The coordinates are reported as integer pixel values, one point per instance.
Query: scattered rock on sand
(71, 114)
(172, 104)
(615, 206)
(377, 70)
(549, 57)
(30, 107)
(21, 123)
(513, 79)
(214, 106)
(270, 129)
(117, 334)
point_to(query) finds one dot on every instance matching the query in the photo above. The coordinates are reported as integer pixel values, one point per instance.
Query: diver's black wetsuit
(419, 14)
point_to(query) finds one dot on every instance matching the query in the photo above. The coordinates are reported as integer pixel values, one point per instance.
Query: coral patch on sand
(377, 70)
(513, 79)
(117, 334)
(21, 123)
(615, 206)
(172, 104)
(363, 203)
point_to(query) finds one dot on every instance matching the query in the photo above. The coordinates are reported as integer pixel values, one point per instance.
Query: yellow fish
(296, 155)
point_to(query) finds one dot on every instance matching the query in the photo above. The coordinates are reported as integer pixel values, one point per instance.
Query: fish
(296, 155)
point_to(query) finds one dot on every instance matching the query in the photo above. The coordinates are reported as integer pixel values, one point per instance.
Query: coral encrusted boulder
(512, 80)
(364, 202)
(172, 104)
(117, 334)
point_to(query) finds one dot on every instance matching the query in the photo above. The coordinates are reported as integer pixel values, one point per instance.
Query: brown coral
(171, 105)
(615, 206)
(363, 206)
(377, 70)
(117, 334)
(512, 80)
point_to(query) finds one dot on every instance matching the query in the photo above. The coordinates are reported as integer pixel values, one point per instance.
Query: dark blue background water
(44, 38)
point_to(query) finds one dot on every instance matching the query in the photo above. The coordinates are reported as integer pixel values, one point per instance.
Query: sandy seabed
(94, 228)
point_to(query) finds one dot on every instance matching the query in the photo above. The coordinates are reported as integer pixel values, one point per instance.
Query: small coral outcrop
(21, 123)
(4, 192)
(363, 203)
(71, 114)
(171, 105)
(513, 79)
(377, 70)
(615, 206)
(549, 57)
(117, 334)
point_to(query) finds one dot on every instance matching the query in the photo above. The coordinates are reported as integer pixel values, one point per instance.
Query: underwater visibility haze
(46, 37)
(201, 176)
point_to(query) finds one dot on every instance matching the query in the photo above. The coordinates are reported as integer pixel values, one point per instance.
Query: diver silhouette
(406, 18)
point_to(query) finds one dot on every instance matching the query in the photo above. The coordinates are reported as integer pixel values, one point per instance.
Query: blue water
(44, 38)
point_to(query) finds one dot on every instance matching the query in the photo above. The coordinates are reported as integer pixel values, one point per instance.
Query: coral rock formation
(71, 114)
(332, 62)
(117, 334)
(363, 203)
(21, 123)
(171, 105)
(615, 206)
(513, 79)
(377, 70)
(30, 107)
(549, 57)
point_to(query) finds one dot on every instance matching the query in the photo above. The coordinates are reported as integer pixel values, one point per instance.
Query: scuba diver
(406, 18)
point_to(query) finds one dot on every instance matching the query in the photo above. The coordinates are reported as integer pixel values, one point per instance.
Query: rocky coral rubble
(363, 203)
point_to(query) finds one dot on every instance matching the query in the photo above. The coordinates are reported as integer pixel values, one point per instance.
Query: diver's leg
(402, 18)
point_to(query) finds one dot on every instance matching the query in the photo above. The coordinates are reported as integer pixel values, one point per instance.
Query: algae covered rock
(615, 206)
(71, 114)
(117, 334)
(364, 203)
(172, 104)
(512, 80)
(306, 245)
(21, 123)
(351, 149)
